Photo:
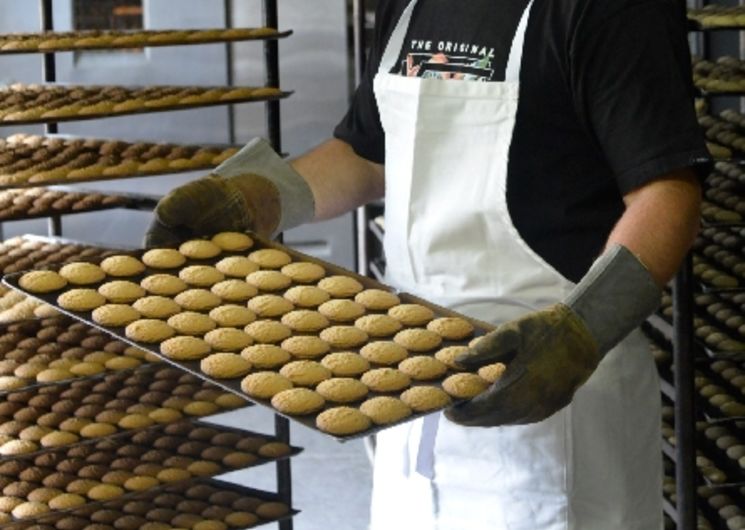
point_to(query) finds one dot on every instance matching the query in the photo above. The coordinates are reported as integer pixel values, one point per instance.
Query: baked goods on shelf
(718, 16)
(726, 74)
(30, 203)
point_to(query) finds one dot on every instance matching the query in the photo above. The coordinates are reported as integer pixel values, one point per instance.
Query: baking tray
(132, 203)
(480, 328)
(179, 42)
(164, 108)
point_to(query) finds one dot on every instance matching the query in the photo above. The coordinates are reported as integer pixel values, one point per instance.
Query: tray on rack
(234, 384)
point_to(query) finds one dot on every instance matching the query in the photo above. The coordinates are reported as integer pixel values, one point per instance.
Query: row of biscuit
(714, 15)
(27, 203)
(726, 74)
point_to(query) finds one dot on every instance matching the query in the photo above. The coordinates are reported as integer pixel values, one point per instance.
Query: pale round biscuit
(52, 375)
(268, 331)
(270, 305)
(156, 307)
(417, 339)
(197, 300)
(342, 421)
(343, 336)
(298, 401)
(378, 325)
(269, 280)
(234, 290)
(228, 339)
(305, 321)
(464, 385)
(191, 323)
(42, 281)
(492, 372)
(199, 249)
(163, 258)
(305, 373)
(304, 271)
(230, 315)
(114, 315)
(82, 273)
(306, 296)
(9, 382)
(449, 354)
(265, 356)
(264, 385)
(384, 352)
(18, 447)
(84, 369)
(184, 348)
(425, 398)
(385, 380)
(232, 241)
(377, 299)
(121, 291)
(122, 266)
(201, 275)
(305, 346)
(236, 266)
(27, 510)
(270, 258)
(451, 328)
(423, 367)
(340, 286)
(346, 364)
(149, 330)
(411, 314)
(225, 365)
(383, 410)
(342, 389)
(58, 439)
(163, 284)
(97, 430)
(80, 300)
(140, 483)
(105, 492)
(341, 310)
(65, 501)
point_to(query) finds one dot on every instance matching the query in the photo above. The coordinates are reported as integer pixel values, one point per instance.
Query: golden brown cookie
(232, 241)
(384, 352)
(423, 367)
(269, 280)
(156, 307)
(341, 310)
(464, 385)
(58, 438)
(261, 385)
(97, 430)
(192, 323)
(234, 290)
(163, 284)
(383, 410)
(210, 524)
(52, 375)
(305, 373)
(199, 249)
(305, 346)
(163, 258)
(268, 331)
(201, 275)
(265, 356)
(298, 401)
(121, 291)
(306, 296)
(417, 339)
(149, 330)
(342, 389)
(304, 272)
(114, 315)
(378, 325)
(184, 348)
(340, 286)
(342, 421)
(236, 266)
(305, 321)
(451, 328)
(492, 372)
(42, 281)
(122, 363)
(27, 510)
(377, 299)
(200, 408)
(411, 314)
(270, 258)
(65, 501)
(80, 300)
(105, 492)
(135, 421)
(270, 305)
(140, 483)
(241, 519)
(425, 398)
(225, 365)
(385, 380)
(197, 300)
(228, 339)
(343, 336)
(85, 369)
(345, 364)
(122, 266)
(231, 315)
(164, 415)
(449, 354)
(81, 273)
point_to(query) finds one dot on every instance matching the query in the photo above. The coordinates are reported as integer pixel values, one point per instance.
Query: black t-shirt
(605, 104)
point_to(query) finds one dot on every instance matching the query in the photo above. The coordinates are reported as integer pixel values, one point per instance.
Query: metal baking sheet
(234, 384)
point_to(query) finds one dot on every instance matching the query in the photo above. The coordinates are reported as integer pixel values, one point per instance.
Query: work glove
(253, 190)
(551, 353)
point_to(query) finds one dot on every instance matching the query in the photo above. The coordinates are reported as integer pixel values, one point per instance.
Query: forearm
(660, 223)
(339, 178)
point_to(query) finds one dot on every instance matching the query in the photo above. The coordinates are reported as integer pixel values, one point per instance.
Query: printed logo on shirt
(448, 60)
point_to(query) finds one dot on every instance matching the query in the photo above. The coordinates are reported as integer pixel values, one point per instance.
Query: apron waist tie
(425, 456)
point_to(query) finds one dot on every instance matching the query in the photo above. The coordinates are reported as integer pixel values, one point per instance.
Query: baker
(543, 178)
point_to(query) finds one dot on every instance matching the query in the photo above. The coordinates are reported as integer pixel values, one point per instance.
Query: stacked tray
(724, 134)
(717, 16)
(726, 75)
(38, 103)
(321, 321)
(34, 203)
(28, 160)
(54, 41)
(721, 248)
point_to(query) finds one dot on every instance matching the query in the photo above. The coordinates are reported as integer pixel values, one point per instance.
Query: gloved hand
(551, 353)
(253, 190)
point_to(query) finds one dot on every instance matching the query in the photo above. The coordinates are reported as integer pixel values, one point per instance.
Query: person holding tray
(539, 163)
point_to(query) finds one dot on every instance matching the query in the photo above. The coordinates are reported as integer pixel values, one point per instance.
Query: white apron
(595, 465)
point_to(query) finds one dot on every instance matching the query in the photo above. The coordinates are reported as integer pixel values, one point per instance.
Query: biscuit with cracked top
(234, 290)
(265, 356)
(121, 265)
(82, 273)
(342, 389)
(270, 258)
(121, 291)
(228, 339)
(305, 321)
(192, 323)
(199, 249)
(236, 266)
(305, 346)
(163, 258)
(268, 331)
(384, 352)
(343, 336)
(411, 314)
(383, 410)
(423, 367)
(225, 365)
(341, 310)
(231, 315)
(306, 296)
(232, 241)
(378, 325)
(304, 271)
(305, 373)
(385, 380)
(80, 300)
(149, 330)
(263, 385)
(425, 398)
(417, 339)
(163, 284)
(342, 421)
(115, 315)
(184, 348)
(377, 299)
(451, 328)
(298, 401)
(42, 281)
(464, 385)
(156, 307)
